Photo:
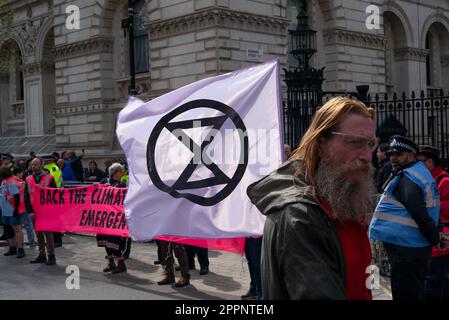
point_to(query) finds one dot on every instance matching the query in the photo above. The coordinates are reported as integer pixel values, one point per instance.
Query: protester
(169, 273)
(107, 164)
(253, 250)
(12, 206)
(406, 219)
(44, 238)
(5, 161)
(114, 245)
(437, 279)
(17, 174)
(160, 258)
(315, 244)
(203, 258)
(94, 173)
(384, 168)
(66, 168)
(32, 156)
(76, 164)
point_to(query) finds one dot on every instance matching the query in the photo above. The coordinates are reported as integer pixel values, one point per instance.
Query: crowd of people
(330, 214)
(19, 177)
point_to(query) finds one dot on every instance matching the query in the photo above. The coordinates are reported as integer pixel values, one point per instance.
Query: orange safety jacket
(44, 182)
(10, 197)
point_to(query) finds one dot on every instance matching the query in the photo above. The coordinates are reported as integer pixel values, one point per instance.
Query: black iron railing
(425, 119)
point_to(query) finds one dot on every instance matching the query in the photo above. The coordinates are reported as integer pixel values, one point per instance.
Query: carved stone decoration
(413, 54)
(28, 33)
(81, 48)
(354, 39)
(217, 18)
(38, 67)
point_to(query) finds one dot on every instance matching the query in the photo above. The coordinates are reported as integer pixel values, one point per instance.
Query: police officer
(406, 218)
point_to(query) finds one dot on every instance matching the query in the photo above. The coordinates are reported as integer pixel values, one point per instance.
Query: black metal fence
(424, 119)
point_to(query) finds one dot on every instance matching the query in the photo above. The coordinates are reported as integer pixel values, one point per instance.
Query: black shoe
(177, 268)
(192, 267)
(58, 244)
(39, 259)
(51, 260)
(204, 270)
(156, 262)
(20, 253)
(11, 252)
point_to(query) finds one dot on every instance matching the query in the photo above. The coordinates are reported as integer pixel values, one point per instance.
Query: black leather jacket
(302, 256)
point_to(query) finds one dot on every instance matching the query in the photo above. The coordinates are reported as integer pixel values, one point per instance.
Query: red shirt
(443, 190)
(357, 252)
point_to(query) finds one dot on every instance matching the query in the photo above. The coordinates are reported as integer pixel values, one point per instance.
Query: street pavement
(228, 277)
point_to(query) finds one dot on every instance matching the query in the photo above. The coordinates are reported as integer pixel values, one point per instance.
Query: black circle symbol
(220, 178)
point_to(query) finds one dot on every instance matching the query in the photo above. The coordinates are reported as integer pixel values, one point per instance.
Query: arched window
(437, 44)
(141, 47)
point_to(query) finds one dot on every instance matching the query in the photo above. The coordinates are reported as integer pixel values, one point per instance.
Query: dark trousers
(253, 249)
(159, 250)
(437, 280)
(202, 253)
(408, 274)
(167, 252)
(127, 248)
(57, 236)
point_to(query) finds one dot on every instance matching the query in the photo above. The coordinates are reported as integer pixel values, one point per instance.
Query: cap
(6, 156)
(429, 152)
(402, 144)
(48, 158)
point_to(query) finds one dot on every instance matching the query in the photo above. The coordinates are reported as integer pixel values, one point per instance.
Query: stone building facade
(63, 88)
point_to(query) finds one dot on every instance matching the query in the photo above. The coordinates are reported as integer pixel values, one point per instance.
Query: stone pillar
(34, 116)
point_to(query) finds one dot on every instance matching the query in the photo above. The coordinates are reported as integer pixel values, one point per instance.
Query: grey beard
(349, 199)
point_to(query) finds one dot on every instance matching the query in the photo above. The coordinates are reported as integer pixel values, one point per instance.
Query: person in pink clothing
(437, 280)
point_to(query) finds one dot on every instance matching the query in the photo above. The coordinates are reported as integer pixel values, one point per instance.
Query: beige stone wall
(193, 39)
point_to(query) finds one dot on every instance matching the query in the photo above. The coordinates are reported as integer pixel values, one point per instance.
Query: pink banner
(98, 209)
(94, 209)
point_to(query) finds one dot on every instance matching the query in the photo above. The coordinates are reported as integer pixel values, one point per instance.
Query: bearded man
(315, 243)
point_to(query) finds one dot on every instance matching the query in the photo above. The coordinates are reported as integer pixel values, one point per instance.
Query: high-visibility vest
(10, 197)
(55, 172)
(124, 179)
(44, 182)
(392, 223)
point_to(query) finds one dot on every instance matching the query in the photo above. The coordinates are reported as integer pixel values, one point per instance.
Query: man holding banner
(44, 238)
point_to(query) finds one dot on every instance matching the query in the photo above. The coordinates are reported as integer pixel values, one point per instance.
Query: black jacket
(412, 198)
(382, 175)
(302, 256)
